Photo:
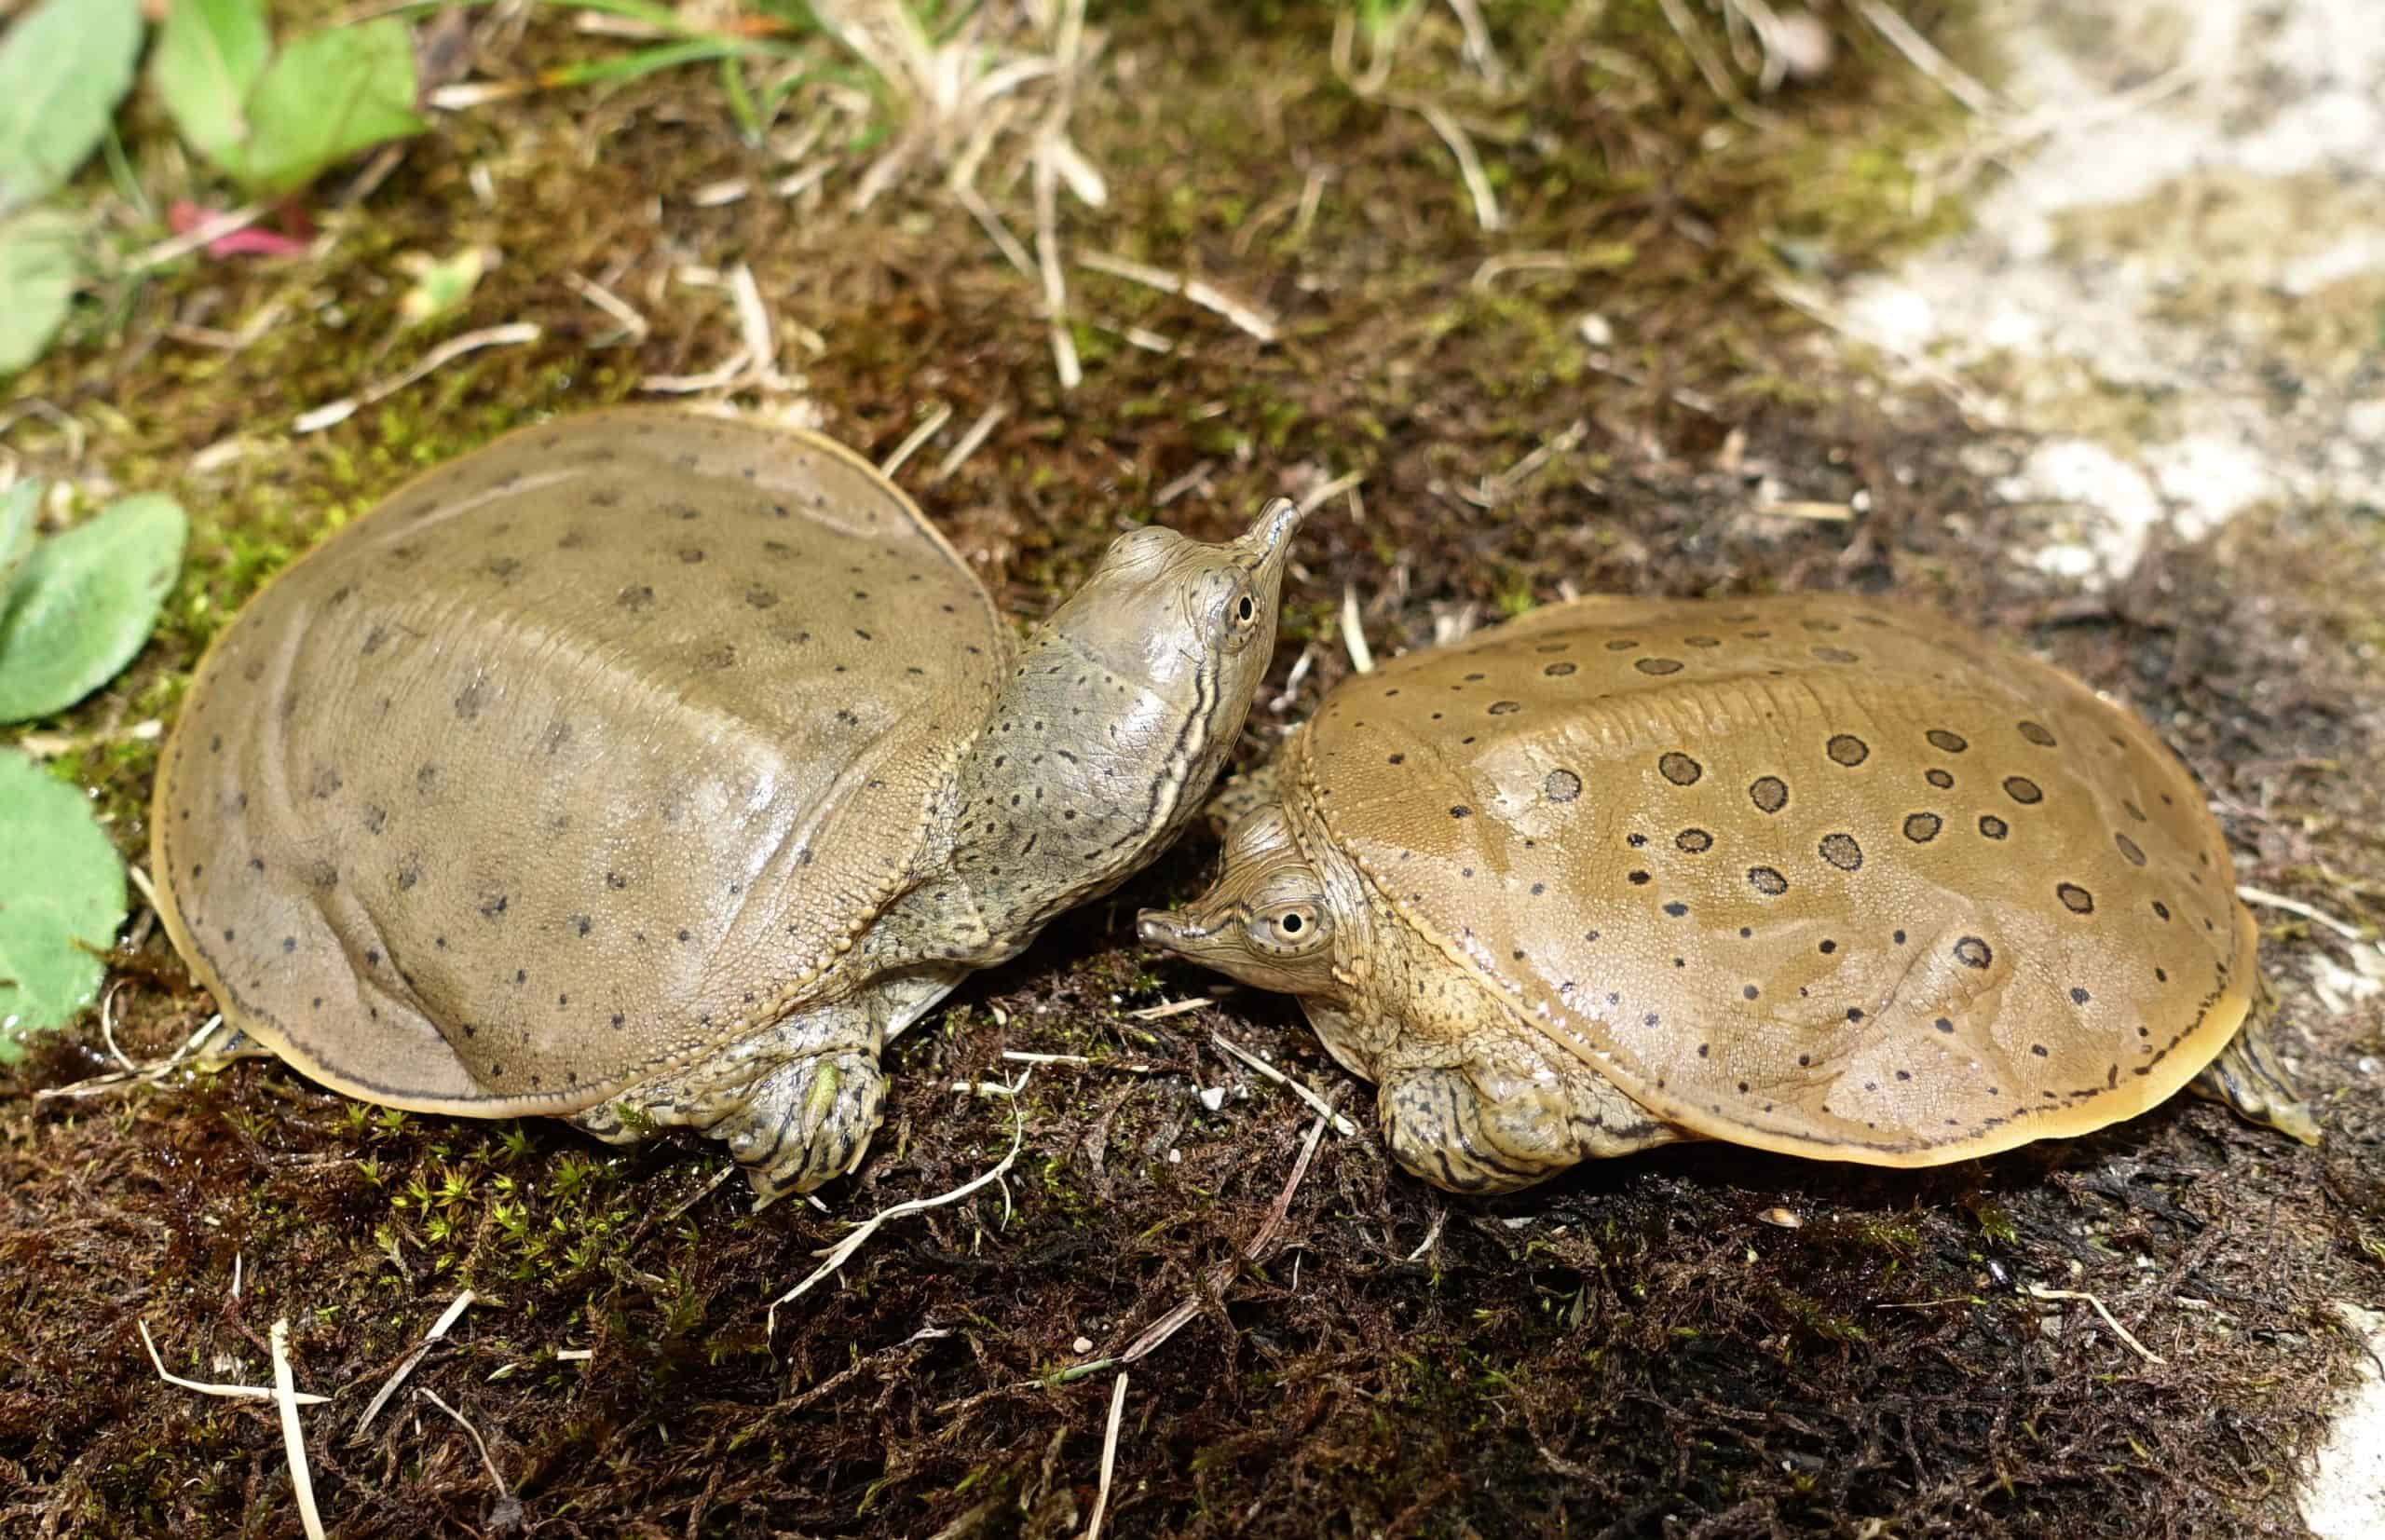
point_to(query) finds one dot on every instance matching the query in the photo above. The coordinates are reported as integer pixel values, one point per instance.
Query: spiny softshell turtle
(649, 769)
(1820, 876)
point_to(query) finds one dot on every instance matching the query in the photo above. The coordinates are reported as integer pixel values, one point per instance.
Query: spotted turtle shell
(1823, 876)
(573, 760)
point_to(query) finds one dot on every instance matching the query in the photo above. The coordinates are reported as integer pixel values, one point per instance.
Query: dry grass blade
(2040, 1291)
(293, 1440)
(1341, 1124)
(139, 1074)
(1247, 317)
(918, 436)
(1353, 632)
(447, 1317)
(1167, 1326)
(204, 233)
(842, 1252)
(970, 441)
(447, 352)
(208, 1387)
(1469, 164)
(478, 1442)
(2307, 911)
(1899, 34)
(1108, 1457)
(1168, 1008)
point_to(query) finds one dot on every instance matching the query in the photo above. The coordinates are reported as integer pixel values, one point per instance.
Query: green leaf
(210, 55)
(17, 506)
(62, 891)
(84, 603)
(328, 95)
(41, 260)
(63, 67)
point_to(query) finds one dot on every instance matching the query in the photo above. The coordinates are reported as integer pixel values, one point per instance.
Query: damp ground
(1616, 391)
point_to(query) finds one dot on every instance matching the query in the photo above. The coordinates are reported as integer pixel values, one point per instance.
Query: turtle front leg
(797, 1104)
(1504, 1116)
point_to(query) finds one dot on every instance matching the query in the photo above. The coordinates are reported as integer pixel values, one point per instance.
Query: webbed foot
(1478, 1128)
(2247, 1077)
(807, 1122)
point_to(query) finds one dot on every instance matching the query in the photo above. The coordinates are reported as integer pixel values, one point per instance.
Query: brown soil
(1640, 1348)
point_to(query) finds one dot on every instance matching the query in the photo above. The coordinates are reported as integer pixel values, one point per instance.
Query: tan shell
(1818, 875)
(469, 797)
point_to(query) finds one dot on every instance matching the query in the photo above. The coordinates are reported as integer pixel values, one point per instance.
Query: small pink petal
(185, 216)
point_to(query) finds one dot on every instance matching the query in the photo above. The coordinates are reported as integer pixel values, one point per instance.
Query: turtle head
(1191, 622)
(1117, 715)
(1269, 919)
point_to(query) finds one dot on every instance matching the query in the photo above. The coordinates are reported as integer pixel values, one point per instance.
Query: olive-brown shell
(1818, 875)
(576, 758)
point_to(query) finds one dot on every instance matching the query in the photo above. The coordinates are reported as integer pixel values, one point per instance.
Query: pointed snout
(1173, 929)
(1270, 536)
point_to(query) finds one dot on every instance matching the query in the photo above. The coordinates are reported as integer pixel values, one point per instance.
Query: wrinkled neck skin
(1078, 777)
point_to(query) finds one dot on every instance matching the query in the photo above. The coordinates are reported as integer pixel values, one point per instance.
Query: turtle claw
(807, 1124)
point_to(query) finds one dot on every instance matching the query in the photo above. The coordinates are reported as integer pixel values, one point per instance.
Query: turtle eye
(1290, 928)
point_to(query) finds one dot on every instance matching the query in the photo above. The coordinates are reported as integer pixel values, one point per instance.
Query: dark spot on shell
(1639, 880)
(1680, 768)
(1505, 708)
(2161, 910)
(1703, 641)
(375, 819)
(1657, 665)
(1993, 827)
(724, 656)
(1558, 671)
(1827, 947)
(1938, 779)
(1694, 841)
(634, 597)
(1621, 645)
(326, 784)
(2036, 733)
(2129, 849)
(760, 597)
(690, 555)
(2038, 1049)
(469, 699)
(1845, 748)
(2075, 898)
(1971, 952)
(2080, 996)
(1770, 794)
(1836, 655)
(1841, 850)
(1748, 991)
(2023, 790)
(1767, 881)
(491, 908)
(1922, 828)
(1676, 909)
(1461, 810)
(1396, 759)
(1944, 1025)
